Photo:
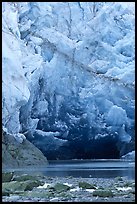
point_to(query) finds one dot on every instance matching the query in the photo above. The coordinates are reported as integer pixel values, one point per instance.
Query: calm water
(85, 168)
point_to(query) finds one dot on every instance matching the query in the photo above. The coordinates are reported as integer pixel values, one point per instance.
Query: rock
(133, 184)
(31, 184)
(101, 188)
(38, 194)
(86, 185)
(16, 187)
(119, 178)
(132, 191)
(24, 177)
(128, 184)
(59, 187)
(65, 195)
(7, 176)
(4, 193)
(23, 154)
(103, 193)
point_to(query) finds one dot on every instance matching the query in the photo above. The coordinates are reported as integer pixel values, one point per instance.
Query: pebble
(75, 194)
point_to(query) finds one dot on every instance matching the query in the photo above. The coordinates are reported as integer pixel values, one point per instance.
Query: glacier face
(15, 92)
(73, 64)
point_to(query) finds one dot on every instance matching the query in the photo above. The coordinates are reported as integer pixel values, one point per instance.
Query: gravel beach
(27, 188)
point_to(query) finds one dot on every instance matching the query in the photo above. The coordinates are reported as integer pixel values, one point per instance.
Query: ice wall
(15, 92)
(78, 60)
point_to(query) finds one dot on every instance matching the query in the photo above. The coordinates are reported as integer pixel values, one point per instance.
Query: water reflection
(96, 168)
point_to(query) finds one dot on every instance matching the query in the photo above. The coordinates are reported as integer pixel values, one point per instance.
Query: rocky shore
(39, 188)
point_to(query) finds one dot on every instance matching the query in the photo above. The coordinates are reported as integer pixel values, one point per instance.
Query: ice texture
(69, 76)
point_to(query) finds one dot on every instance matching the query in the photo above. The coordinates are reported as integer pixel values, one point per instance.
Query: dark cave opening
(81, 141)
(78, 147)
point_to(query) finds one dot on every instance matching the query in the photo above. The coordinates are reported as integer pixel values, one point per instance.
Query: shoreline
(70, 189)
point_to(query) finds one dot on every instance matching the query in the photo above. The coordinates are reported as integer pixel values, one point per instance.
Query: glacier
(68, 77)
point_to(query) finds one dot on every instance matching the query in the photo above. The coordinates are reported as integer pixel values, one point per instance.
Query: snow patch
(67, 184)
(44, 186)
(90, 190)
(124, 188)
(75, 189)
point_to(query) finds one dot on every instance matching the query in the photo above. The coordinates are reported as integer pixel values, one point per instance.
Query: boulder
(103, 193)
(15, 154)
(59, 187)
(17, 187)
(24, 177)
(7, 176)
(86, 185)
